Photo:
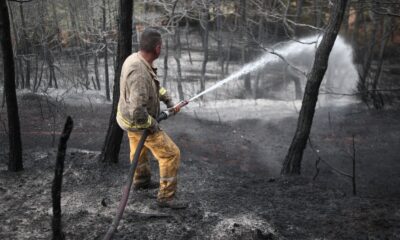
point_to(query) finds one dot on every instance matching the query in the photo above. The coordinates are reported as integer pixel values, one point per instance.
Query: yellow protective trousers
(168, 156)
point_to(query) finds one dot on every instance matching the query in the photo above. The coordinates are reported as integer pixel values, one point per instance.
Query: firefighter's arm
(165, 97)
(139, 94)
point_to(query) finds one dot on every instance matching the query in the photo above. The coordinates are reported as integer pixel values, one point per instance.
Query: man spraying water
(138, 109)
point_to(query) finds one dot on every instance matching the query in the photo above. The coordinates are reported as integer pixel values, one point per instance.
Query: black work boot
(172, 203)
(146, 185)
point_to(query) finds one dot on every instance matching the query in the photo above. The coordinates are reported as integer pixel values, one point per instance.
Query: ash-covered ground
(229, 173)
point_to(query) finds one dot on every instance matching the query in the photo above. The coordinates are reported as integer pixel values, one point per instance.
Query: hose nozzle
(172, 111)
(181, 104)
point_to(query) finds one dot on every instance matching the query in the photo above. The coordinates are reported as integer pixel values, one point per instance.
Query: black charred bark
(205, 24)
(165, 64)
(292, 163)
(56, 223)
(106, 74)
(14, 134)
(113, 139)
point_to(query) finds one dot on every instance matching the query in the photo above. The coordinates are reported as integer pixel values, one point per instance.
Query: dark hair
(149, 39)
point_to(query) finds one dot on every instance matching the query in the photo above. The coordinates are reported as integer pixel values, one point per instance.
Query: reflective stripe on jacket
(140, 95)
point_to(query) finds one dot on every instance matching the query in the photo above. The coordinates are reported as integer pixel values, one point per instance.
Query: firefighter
(138, 108)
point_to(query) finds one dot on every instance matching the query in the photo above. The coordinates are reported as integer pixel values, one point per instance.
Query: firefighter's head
(150, 42)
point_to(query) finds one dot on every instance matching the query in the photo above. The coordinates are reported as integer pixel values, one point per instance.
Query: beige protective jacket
(140, 95)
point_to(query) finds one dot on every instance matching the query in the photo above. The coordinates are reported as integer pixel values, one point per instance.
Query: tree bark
(177, 56)
(165, 75)
(57, 24)
(56, 223)
(26, 48)
(104, 16)
(362, 85)
(205, 24)
(299, 12)
(376, 96)
(318, 13)
(14, 134)
(106, 74)
(247, 79)
(48, 56)
(113, 139)
(356, 30)
(219, 37)
(96, 71)
(292, 163)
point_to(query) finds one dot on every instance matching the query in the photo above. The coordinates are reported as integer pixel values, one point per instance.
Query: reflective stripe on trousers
(168, 156)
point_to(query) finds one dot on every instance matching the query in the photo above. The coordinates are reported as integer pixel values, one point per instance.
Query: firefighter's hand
(153, 129)
(177, 109)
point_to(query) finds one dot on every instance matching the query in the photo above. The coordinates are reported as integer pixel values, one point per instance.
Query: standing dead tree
(244, 48)
(352, 176)
(205, 23)
(113, 139)
(292, 163)
(15, 145)
(57, 182)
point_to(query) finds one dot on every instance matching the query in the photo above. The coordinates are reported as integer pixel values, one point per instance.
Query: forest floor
(229, 173)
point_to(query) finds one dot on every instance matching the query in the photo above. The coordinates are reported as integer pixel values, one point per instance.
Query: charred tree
(57, 182)
(318, 13)
(113, 139)
(292, 163)
(96, 71)
(299, 12)
(106, 74)
(165, 75)
(219, 36)
(244, 49)
(14, 132)
(177, 57)
(376, 96)
(364, 73)
(26, 48)
(205, 25)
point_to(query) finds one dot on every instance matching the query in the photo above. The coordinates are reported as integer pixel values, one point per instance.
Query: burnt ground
(229, 173)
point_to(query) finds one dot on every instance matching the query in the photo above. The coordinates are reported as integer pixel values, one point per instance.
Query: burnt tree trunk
(299, 12)
(14, 134)
(317, 9)
(205, 24)
(165, 64)
(219, 37)
(376, 96)
(96, 71)
(363, 84)
(106, 74)
(56, 24)
(292, 163)
(57, 182)
(113, 139)
(26, 48)
(177, 57)
(187, 41)
(244, 49)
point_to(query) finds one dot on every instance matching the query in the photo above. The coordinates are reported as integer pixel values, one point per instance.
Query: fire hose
(126, 190)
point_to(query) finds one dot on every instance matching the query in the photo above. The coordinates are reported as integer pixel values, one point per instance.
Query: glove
(154, 127)
(173, 108)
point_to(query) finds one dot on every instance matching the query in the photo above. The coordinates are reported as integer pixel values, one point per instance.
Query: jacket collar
(148, 66)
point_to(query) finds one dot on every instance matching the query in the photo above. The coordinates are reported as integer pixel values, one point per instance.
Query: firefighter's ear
(158, 49)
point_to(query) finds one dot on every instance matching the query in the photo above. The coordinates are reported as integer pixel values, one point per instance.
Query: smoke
(341, 75)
